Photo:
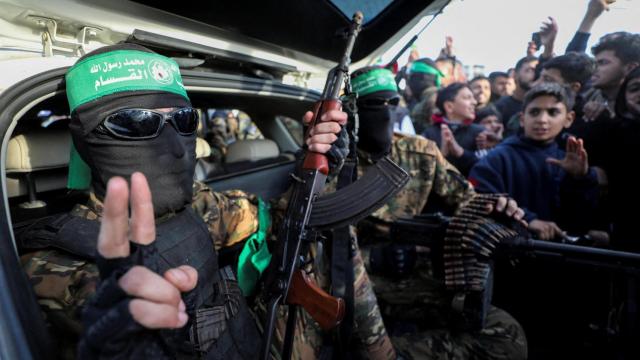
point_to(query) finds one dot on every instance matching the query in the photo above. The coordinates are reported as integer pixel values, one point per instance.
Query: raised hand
(575, 161)
(131, 295)
(448, 144)
(597, 7)
(548, 33)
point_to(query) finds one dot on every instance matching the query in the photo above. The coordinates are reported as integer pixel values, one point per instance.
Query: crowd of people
(499, 137)
(543, 145)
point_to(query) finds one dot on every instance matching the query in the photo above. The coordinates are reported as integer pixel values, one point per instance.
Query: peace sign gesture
(131, 295)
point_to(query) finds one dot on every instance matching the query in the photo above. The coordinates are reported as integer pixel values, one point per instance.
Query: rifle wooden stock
(326, 310)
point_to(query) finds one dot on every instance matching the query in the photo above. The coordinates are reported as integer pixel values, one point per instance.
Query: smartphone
(535, 37)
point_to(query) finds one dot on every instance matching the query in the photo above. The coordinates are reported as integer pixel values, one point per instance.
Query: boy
(455, 132)
(547, 182)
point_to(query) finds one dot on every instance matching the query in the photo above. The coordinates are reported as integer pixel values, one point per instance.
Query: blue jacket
(544, 191)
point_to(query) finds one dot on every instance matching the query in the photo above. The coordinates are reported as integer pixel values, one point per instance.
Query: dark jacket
(544, 191)
(465, 134)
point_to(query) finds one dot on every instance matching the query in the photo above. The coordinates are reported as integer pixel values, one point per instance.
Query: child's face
(544, 118)
(493, 124)
(462, 107)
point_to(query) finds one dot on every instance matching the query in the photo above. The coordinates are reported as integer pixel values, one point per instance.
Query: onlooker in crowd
(481, 88)
(553, 187)
(574, 71)
(619, 138)
(450, 65)
(524, 77)
(617, 54)
(581, 37)
(454, 130)
(511, 83)
(491, 119)
(499, 81)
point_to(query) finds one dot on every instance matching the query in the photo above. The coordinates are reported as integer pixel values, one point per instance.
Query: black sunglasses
(378, 103)
(142, 124)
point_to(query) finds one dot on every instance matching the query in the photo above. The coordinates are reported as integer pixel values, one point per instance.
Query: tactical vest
(220, 326)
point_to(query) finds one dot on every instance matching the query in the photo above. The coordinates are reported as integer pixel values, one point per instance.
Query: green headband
(121, 70)
(373, 81)
(420, 67)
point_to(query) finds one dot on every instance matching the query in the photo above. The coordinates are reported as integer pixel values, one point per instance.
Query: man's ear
(571, 115)
(575, 86)
(448, 107)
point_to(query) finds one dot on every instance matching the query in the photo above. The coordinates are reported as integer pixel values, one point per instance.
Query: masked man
(412, 299)
(162, 295)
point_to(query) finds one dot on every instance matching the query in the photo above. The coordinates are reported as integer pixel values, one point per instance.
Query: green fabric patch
(121, 70)
(374, 81)
(420, 67)
(79, 172)
(255, 255)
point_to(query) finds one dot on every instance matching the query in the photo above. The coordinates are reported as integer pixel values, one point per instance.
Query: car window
(223, 127)
(294, 127)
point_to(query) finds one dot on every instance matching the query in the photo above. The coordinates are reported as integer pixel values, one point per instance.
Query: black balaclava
(168, 160)
(375, 132)
(376, 126)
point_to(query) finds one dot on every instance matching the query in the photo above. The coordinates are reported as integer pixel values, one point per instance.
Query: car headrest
(251, 150)
(203, 149)
(38, 150)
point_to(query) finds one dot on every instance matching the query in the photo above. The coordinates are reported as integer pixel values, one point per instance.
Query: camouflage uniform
(420, 298)
(63, 282)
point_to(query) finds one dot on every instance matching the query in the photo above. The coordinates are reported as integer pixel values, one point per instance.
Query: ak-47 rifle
(308, 212)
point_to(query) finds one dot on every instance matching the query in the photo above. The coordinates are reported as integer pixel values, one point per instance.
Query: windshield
(369, 9)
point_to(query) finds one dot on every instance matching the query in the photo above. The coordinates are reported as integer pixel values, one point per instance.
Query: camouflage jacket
(431, 176)
(63, 282)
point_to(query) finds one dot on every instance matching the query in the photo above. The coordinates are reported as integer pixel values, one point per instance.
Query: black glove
(394, 260)
(109, 328)
(338, 152)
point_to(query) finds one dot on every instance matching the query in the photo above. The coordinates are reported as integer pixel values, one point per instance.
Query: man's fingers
(157, 316)
(143, 283)
(501, 203)
(326, 128)
(184, 277)
(335, 115)
(308, 116)
(555, 230)
(319, 148)
(113, 241)
(143, 225)
(326, 139)
(512, 207)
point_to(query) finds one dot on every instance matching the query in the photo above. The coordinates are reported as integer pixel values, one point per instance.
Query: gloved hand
(394, 259)
(110, 330)
(133, 302)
